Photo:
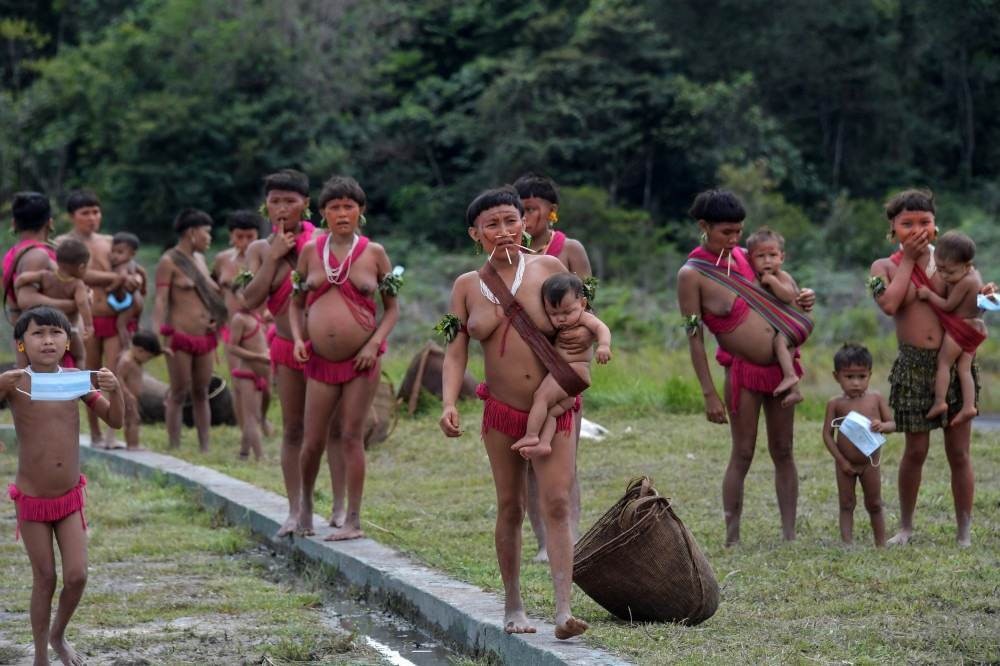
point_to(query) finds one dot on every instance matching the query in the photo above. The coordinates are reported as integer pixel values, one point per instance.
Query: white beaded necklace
(518, 276)
(338, 275)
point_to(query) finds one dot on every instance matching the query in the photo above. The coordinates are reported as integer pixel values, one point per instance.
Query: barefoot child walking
(566, 308)
(862, 416)
(767, 255)
(48, 488)
(961, 283)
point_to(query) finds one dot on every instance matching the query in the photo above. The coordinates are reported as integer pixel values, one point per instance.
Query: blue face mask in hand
(990, 303)
(857, 428)
(58, 385)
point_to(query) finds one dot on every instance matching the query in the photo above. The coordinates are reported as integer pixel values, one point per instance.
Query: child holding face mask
(766, 249)
(862, 417)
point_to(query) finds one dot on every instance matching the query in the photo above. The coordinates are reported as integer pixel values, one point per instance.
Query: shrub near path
(168, 585)
(809, 601)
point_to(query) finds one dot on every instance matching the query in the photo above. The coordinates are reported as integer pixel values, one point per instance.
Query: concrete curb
(458, 612)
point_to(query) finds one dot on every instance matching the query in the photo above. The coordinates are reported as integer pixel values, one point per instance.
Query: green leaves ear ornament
(362, 221)
(478, 247)
(263, 210)
(703, 238)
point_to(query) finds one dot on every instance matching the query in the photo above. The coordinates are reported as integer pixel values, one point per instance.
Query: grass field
(811, 601)
(169, 584)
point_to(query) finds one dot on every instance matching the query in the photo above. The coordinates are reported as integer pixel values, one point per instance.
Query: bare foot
(345, 533)
(964, 543)
(786, 384)
(338, 517)
(267, 428)
(794, 397)
(570, 627)
(963, 416)
(288, 526)
(937, 410)
(304, 525)
(901, 539)
(516, 622)
(542, 556)
(527, 441)
(67, 655)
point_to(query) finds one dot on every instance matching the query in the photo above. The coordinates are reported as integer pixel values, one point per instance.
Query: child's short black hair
(190, 218)
(72, 252)
(765, 235)
(289, 180)
(909, 200)
(78, 199)
(955, 246)
(245, 219)
(715, 206)
(852, 354)
(126, 238)
(341, 187)
(145, 339)
(532, 185)
(42, 315)
(31, 211)
(498, 196)
(555, 288)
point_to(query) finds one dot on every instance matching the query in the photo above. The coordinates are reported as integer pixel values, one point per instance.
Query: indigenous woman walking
(707, 292)
(495, 221)
(338, 276)
(189, 309)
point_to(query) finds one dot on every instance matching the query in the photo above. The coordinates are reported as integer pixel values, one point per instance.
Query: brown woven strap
(560, 370)
(212, 299)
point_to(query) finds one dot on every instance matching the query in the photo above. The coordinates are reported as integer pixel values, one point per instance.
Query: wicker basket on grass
(641, 563)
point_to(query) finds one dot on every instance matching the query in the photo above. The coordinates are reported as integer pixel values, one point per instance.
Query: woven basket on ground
(640, 562)
(383, 415)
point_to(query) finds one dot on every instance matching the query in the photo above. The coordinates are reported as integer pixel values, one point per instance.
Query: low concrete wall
(458, 612)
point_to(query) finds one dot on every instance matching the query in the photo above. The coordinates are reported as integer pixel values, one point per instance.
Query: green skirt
(911, 393)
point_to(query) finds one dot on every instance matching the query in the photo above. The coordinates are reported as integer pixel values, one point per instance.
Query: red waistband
(48, 509)
(196, 345)
(512, 421)
(337, 372)
(283, 353)
(746, 375)
(259, 382)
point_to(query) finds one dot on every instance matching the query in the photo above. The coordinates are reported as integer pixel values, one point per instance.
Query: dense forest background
(813, 111)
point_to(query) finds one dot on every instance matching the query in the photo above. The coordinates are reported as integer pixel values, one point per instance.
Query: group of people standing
(301, 304)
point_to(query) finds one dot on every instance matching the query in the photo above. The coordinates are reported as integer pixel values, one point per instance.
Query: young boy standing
(48, 488)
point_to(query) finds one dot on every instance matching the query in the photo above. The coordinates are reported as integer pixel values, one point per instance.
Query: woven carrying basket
(640, 562)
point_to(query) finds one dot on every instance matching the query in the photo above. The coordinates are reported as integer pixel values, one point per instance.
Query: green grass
(168, 584)
(813, 600)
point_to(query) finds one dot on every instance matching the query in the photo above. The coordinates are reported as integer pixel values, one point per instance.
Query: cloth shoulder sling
(10, 262)
(791, 323)
(560, 370)
(210, 297)
(967, 337)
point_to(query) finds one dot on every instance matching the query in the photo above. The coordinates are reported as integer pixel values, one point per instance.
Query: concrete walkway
(458, 612)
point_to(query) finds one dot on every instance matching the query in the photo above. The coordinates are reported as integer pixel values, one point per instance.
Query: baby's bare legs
(947, 355)
(77, 349)
(546, 395)
(544, 446)
(845, 492)
(131, 422)
(790, 380)
(871, 486)
(968, 384)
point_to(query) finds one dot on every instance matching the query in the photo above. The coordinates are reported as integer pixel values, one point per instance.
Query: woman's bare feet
(570, 627)
(67, 655)
(901, 539)
(516, 622)
(345, 533)
(966, 414)
(288, 526)
(937, 410)
(338, 517)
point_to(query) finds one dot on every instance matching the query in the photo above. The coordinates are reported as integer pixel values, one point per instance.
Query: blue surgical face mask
(985, 302)
(58, 385)
(857, 428)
